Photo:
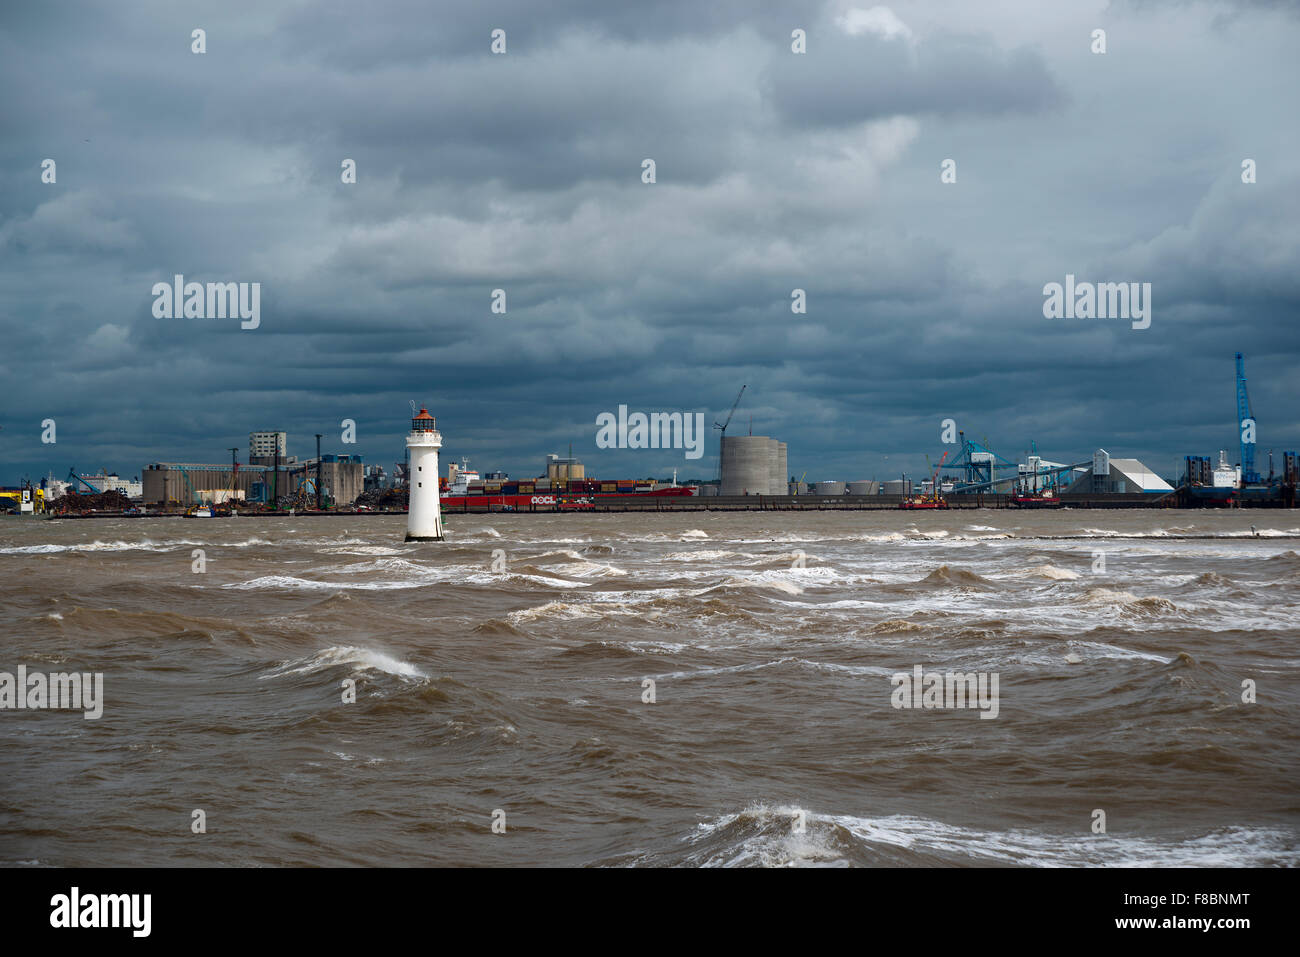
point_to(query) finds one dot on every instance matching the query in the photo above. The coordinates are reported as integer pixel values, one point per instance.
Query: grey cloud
(849, 79)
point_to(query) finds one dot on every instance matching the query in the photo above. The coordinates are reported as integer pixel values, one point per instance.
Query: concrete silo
(753, 465)
(747, 465)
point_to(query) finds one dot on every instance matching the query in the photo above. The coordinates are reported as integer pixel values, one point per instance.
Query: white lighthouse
(424, 517)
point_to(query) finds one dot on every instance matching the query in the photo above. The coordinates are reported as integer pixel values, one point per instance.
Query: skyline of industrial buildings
(744, 464)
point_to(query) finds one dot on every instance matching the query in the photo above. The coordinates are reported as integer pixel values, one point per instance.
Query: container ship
(469, 490)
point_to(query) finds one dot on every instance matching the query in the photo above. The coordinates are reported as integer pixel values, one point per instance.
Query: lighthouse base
(423, 538)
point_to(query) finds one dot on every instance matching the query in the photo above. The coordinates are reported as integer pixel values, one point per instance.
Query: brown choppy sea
(505, 670)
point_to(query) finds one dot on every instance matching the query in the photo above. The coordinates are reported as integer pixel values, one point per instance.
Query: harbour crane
(1245, 426)
(934, 476)
(722, 428)
(74, 479)
(978, 463)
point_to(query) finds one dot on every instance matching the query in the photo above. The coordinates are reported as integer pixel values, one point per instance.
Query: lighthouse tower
(424, 518)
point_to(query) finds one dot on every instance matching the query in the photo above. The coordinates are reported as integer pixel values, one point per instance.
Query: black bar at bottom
(948, 909)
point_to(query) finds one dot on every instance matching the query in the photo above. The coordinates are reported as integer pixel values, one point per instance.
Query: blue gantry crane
(74, 479)
(1245, 426)
(979, 464)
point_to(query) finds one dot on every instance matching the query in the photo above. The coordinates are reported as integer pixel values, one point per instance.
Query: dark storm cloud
(334, 32)
(818, 171)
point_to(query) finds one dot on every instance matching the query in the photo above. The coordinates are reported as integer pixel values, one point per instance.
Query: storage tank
(797, 488)
(897, 487)
(830, 488)
(747, 462)
(864, 487)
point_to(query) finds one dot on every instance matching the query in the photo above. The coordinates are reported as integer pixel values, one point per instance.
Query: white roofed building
(1126, 476)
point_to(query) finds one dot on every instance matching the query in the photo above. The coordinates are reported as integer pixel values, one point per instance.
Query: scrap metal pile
(111, 501)
(385, 499)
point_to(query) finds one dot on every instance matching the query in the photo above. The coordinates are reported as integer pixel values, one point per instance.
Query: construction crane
(722, 428)
(1245, 426)
(934, 476)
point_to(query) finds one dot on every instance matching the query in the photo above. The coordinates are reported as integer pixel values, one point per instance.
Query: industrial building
(1200, 473)
(1125, 476)
(92, 485)
(270, 475)
(563, 470)
(753, 465)
(263, 447)
(376, 479)
(341, 479)
(188, 482)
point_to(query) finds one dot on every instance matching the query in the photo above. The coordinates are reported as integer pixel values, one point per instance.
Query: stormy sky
(523, 171)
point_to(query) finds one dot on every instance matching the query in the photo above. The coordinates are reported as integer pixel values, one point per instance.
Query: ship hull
(1212, 497)
(545, 501)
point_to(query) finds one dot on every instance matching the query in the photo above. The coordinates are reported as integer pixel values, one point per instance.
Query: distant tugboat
(1026, 497)
(933, 500)
(1043, 499)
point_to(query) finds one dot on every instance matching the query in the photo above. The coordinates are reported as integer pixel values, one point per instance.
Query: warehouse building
(1116, 477)
(184, 483)
(342, 479)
